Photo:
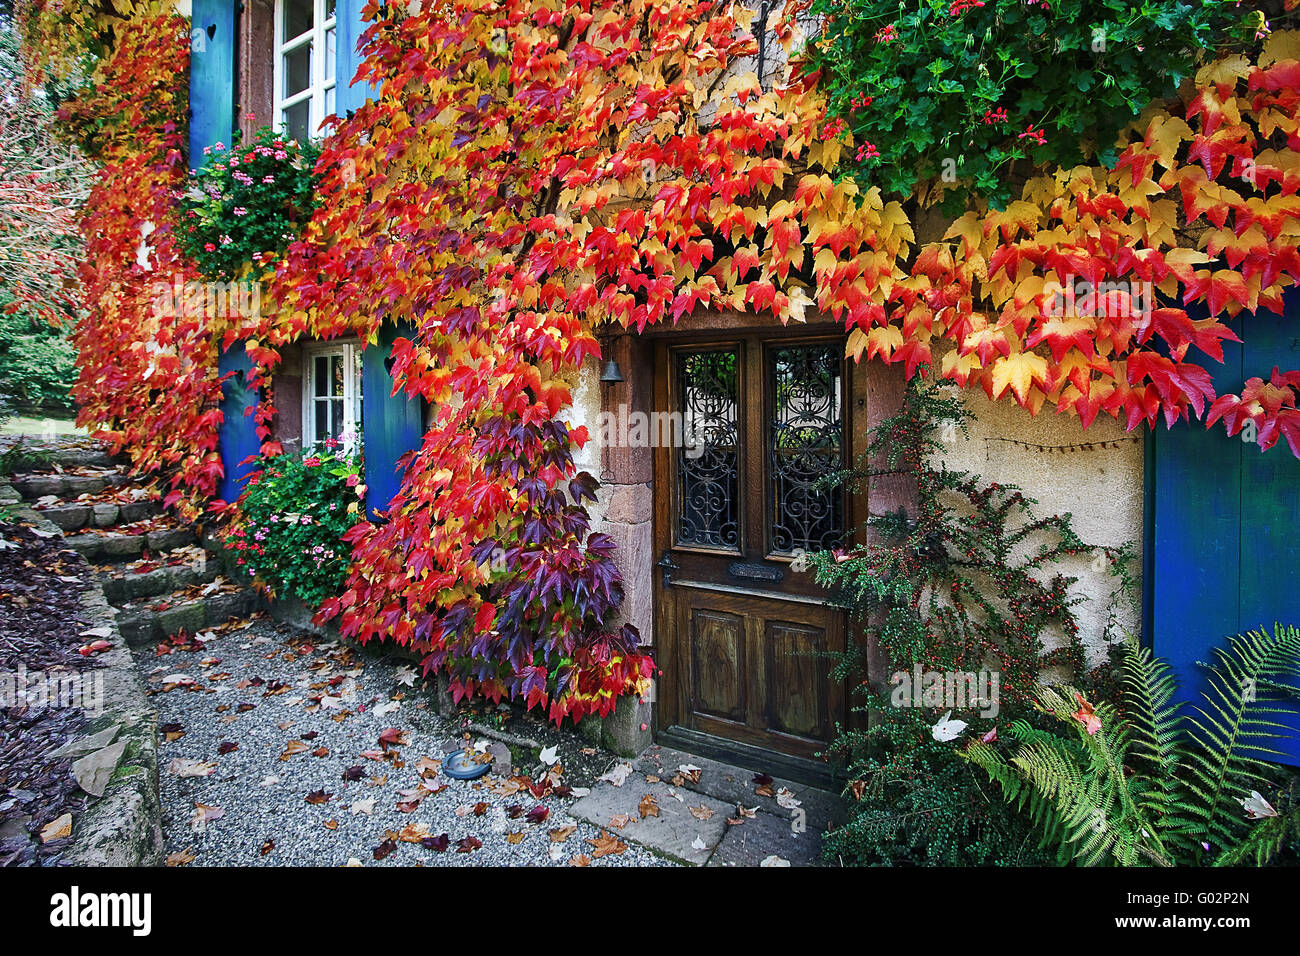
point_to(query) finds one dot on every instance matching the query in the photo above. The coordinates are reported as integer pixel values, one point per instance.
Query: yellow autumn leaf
(1018, 372)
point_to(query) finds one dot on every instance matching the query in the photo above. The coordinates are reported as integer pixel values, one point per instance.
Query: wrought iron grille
(708, 467)
(806, 442)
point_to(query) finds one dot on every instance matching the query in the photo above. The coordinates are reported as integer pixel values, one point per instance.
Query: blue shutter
(212, 75)
(1224, 548)
(238, 436)
(350, 26)
(392, 424)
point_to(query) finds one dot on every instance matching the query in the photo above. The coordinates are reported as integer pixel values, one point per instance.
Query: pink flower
(1036, 135)
(209, 247)
(887, 34)
(311, 462)
(353, 480)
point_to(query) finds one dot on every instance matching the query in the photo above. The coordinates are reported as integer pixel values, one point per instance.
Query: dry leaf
(180, 857)
(57, 829)
(606, 844)
(560, 834)
(649, 806)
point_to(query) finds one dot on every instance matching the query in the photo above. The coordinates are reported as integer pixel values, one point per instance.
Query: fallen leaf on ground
(57, 829)
(267, 847)
(649, 806)
(701, 812)
(438, 843)
(317, 797)
(560, 834)
(538, 814)
(293, 747)
(185, 767)
(618, 774)
(516, 837)
(205, 814)
(606, 844)
(620, 820)
(580, 860)
(468, 845)
(180, 857)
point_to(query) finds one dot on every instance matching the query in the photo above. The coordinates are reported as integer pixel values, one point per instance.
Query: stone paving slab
(764, 836)
(674, 832)
(735, 785)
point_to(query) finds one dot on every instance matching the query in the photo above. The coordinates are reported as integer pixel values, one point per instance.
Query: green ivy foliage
(246, 203)
(958, 92)
(969, 580)
(293, 515)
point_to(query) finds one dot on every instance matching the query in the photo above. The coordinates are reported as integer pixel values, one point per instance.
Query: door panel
(743, 627)
(797, 679)
(717, 663)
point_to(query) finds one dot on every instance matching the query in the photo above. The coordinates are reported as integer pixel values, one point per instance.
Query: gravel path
(345, 795)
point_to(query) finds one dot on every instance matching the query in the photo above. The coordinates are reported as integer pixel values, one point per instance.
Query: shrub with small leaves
(293, 514)
(245, 204)
(955, 93)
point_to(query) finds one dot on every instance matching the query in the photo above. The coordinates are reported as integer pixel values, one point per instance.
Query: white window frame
(320, 83)
(351, 392)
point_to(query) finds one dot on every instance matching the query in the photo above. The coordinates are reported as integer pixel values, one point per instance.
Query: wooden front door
(743, 627)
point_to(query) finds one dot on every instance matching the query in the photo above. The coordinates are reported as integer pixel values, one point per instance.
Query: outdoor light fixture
(612, 373)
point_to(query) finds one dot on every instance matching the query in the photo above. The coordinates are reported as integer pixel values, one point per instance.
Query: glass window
(708, 464)
(805, 443)
(306, 64)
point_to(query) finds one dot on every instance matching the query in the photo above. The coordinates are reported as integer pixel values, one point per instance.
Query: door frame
(671, 706)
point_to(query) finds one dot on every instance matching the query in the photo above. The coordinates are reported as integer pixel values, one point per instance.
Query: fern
(1159, 785)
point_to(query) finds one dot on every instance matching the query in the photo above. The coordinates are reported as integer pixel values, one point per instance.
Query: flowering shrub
(293, 515)
(959, 91)
(246, 203)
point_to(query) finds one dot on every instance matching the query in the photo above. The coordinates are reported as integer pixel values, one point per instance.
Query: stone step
(125, 584)
(126, 543)
(68, 486)
(146, 621)
(72, 515)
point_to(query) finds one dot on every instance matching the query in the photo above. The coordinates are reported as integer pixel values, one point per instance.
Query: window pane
(297, 18)
(805, 443)
(321, 429)
(330, 54)
(297, 120)
(297, 70)
(320, 377)
(329, 8)
(336, 374)
(708, 467)
(329, 102)
(336, 426)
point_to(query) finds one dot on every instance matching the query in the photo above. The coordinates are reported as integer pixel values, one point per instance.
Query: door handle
(668, 566)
